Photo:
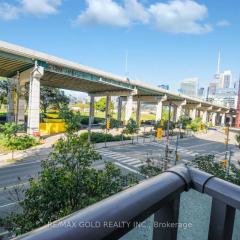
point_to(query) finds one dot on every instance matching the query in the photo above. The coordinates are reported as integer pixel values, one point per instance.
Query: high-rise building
(201, 92)
(189, 87)
(226, 79)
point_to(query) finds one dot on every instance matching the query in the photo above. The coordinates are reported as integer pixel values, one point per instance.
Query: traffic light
(108, 124)
(159, 133)
(177, 157)
(225, 141)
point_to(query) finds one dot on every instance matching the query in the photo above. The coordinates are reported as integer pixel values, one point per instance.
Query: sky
(165, 41)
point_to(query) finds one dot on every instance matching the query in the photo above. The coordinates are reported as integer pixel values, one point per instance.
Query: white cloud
(223, 23)
(180, 16)
(109, 12)
(33, 7)
(176, 16)
(136, 11)
(106, 12)
(8, 12)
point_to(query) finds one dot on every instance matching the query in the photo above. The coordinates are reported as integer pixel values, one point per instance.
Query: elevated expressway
(25, 65)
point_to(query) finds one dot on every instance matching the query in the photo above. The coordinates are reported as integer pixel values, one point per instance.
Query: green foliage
(158, 124)
(207, 163)
(97, 137)
(113, 124)
(10, 129)
(67, 182)
(150, 169)
(238, 139)
(100, 105)
(12, 140)
(3, 92)
(71, 119)
(195, 124)
(21, 142)
(50, 98)
(131, 127)
(185, 121)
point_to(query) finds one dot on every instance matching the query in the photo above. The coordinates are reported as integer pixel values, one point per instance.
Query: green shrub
(102, 137)
(195, 124)
(20, 142)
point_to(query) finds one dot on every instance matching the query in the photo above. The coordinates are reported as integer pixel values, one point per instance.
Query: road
(128, 157)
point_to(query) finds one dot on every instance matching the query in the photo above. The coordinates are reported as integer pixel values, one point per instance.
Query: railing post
(221, 221)
(165, 221)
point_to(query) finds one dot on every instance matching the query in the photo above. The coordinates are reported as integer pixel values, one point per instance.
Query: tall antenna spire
(219, 59)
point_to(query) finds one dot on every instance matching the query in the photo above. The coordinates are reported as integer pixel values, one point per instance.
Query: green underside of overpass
(67, 78)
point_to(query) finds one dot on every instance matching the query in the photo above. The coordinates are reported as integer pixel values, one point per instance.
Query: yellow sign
(108, 124)
(226, 130)
(159, 133)
(224, 162)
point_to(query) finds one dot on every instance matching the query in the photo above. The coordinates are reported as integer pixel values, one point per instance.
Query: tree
(207, 163)
(71, 119)
(3, 92)
(49, 98)
(12, 140)
(185, 121)
(131, 128)
(66, 183)
(100, 105)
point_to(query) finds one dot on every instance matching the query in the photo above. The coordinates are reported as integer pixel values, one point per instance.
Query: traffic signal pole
(167, 139)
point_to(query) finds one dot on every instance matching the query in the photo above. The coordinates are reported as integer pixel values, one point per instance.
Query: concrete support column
(23, 78)
(194, 113)
(119, 112)
(11, 93)
(178, 113)
(34, 100)
(91, 110)
(214, 116)
(187, 111)
(204, 116)
(108, 101)
(129, 108)
(159, 109)
(138, 113)
(174, 113)
(223, 119)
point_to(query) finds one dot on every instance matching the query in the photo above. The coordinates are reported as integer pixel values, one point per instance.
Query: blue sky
(166, 41)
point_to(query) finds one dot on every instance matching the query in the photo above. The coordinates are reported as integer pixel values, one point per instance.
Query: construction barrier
(52, 128)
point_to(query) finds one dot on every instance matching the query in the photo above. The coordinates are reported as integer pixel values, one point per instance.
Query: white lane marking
(140, 164)
(20, 164)
(131, 161)
(128, 168)
(9, 204)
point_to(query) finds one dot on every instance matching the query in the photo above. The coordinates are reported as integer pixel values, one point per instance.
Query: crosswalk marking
(121, 158)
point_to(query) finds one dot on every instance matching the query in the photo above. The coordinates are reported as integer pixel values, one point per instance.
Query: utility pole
(226, 129)
(167, 139)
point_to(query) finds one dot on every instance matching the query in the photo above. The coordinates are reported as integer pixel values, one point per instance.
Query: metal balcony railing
(160, 196)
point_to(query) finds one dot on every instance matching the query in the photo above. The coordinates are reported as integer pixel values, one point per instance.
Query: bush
(185, 121)
(113, 124)
(102, 137)
(20, 142)
(195, 124)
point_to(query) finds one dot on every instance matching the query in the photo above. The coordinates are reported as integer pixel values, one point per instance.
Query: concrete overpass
(25, 65)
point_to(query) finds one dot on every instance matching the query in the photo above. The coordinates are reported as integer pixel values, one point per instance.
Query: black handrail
(115, 216)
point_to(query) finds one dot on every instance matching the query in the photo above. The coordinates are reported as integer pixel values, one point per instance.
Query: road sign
(108, 124)
(159, 133)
